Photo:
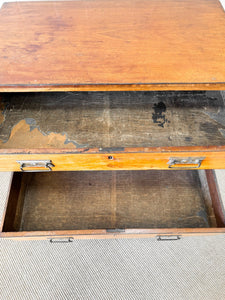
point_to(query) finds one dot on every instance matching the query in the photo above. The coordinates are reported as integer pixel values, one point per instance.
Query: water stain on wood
(32, 48)
(159, 116)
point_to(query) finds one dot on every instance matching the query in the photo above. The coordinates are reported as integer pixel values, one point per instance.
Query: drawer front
(113, 161)
(70, 235)
(63, 206)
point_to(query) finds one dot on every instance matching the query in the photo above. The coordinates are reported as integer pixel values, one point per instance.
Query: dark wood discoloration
(158, 116)
(113, 199)
(112, 120)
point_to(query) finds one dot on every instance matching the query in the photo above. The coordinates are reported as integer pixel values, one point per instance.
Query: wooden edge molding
(113, 87)
(103, 234)
(115, 150)
(215, 197)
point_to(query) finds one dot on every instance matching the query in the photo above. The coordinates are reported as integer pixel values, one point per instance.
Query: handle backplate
(185, 162)
(35, 165)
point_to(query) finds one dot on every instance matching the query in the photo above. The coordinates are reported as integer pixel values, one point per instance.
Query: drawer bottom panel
(112, 203)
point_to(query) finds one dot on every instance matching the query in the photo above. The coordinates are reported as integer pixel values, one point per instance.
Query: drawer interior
(84, 200)
(73, 120)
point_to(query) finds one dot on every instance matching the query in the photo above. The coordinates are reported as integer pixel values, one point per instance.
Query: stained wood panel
(113, 120)
(112, 45)
(153, 158)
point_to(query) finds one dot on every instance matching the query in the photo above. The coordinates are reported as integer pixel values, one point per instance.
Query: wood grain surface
(112, 45)
(213, 159)
(216, 196)
(104, 234)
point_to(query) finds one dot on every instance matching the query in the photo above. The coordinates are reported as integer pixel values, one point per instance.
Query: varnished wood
(218, 208)
(207, 198)
(115, 87)
(111, 45)
(103, 234)
(194, 149)
(120, 161)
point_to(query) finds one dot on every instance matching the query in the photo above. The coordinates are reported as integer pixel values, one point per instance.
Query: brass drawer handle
(185, 162)
(45, 164)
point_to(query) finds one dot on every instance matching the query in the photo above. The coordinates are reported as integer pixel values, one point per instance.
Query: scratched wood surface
(111, 120)
(112, 45)
(116, 199)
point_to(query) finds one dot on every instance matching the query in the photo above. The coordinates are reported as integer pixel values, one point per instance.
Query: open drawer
(112, 204)
(112, 130)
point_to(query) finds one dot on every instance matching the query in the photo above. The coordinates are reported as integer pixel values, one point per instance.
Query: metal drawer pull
(168, 237)
(46, 164)
(61, 240)
(176, 163)
(115, 230)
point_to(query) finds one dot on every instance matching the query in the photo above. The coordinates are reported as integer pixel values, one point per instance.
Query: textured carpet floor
(191, 268)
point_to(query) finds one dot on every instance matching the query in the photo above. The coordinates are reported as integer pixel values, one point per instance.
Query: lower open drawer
(108, 204)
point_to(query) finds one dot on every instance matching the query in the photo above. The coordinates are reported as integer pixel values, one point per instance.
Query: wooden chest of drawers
(126, 98)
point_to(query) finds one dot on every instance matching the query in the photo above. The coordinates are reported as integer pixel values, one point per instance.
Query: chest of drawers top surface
(112, 45)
